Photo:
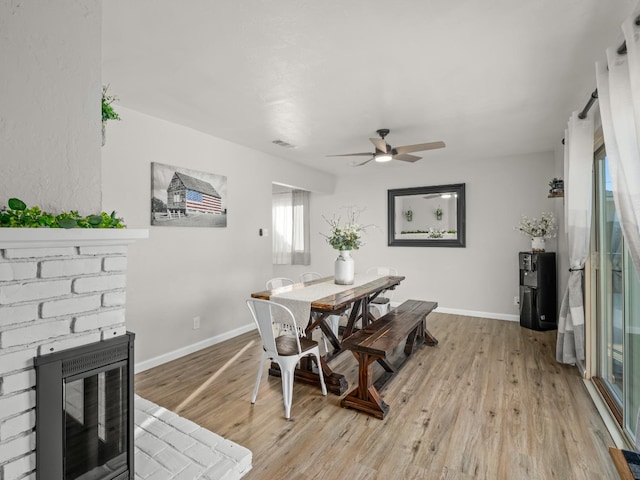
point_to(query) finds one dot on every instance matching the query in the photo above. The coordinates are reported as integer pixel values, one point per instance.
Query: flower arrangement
(543, 228)
(347, 236)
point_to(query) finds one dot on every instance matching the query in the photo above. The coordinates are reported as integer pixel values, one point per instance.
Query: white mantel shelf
(60, 237)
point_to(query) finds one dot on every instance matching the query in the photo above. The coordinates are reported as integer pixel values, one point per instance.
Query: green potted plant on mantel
(18, 215)
(108, 113)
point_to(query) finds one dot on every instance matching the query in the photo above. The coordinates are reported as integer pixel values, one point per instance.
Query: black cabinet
(538, 302)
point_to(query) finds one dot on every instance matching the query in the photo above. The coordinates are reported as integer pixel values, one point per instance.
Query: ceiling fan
(385, 152)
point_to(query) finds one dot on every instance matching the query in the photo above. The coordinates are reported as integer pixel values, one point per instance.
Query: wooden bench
(376, 342)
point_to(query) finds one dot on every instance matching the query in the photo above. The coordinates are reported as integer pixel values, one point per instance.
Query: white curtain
(619, 94)
(290, 224)
(578, 164)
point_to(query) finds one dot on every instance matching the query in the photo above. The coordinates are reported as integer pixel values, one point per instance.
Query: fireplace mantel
(60, 237)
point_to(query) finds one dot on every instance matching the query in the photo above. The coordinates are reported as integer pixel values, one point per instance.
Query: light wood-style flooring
(489, 402)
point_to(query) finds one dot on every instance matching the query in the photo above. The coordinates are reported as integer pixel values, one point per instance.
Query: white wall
(50, 86)
(481, 278)
(180, 273)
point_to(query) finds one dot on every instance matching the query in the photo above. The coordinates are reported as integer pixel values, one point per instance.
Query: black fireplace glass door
(95, 407)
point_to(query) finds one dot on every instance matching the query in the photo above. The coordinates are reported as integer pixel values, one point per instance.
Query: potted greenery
(18, 215)
(108, 113)
(408, 215)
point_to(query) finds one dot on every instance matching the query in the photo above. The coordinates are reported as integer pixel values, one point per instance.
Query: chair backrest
(309, 276)
(278, 282)
(268, 315)
(383, 271)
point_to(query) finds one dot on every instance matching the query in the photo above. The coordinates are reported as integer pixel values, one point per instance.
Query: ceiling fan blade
(361, 154)
(405, 157)
(356, 164)
(419, 147)
(380, 144)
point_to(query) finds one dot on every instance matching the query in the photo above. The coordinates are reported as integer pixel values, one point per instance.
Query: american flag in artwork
(202, 202)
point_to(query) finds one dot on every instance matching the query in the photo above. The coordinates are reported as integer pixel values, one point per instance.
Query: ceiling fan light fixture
(385, 153)
(383, 157)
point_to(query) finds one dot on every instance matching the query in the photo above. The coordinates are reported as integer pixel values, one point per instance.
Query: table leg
(353, 317)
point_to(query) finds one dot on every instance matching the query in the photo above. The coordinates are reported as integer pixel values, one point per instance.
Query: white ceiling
(488, 77)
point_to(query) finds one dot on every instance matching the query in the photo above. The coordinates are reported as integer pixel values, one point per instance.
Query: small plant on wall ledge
(108, 113)
(19, 216)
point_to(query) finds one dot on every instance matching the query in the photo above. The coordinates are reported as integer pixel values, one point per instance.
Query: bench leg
(430, 340)
(426, 336)
(365, 397)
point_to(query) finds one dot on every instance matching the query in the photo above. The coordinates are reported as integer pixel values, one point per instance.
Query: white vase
(344, 268)
(537, 244)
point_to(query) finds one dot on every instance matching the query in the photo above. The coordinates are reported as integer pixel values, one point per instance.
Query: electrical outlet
(516, 301)
(196, 323)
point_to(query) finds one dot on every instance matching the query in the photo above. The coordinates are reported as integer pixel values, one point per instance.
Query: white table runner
(299, 300)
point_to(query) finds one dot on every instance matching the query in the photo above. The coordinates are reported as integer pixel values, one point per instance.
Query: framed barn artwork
(181, 197)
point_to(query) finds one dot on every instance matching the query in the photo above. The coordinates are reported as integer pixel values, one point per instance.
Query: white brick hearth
(66, 288)
(170, 447)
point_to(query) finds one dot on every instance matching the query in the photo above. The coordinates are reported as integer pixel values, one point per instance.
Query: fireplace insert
(84, 412)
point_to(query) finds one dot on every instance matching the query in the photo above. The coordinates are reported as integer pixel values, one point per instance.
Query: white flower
(545, 227)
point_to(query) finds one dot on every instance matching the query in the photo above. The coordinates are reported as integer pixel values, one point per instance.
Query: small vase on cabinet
(344, 268)
(537, 244)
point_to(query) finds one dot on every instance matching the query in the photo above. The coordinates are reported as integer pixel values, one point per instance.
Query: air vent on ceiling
(283, 144)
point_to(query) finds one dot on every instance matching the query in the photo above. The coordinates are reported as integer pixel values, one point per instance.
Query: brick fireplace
(59, 289)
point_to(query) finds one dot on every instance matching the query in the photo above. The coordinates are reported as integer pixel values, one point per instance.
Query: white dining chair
(381, 305)
(309, 276)
(286, 349)
(278, 282)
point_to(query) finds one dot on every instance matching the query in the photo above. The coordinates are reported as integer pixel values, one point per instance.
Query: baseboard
(181, 352)
(473, 313)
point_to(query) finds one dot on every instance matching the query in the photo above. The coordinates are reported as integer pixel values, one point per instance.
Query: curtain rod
(622, 50)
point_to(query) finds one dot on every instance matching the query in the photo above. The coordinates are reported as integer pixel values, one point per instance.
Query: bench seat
(376, 342)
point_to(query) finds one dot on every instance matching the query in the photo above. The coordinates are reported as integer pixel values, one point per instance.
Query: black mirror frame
(460, 241)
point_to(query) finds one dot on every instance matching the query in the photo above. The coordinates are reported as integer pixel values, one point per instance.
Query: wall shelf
(556, 194)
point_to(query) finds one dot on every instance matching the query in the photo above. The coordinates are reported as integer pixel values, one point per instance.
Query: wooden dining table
(355, 299)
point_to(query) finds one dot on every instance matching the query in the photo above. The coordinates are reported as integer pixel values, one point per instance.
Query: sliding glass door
(632, 349)
(618, 308)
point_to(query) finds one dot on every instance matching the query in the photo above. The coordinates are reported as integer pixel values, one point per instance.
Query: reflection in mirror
(427, 216)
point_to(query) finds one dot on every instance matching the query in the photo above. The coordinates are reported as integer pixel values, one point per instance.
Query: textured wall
(183, 272)
(481, 279)
(50, 52)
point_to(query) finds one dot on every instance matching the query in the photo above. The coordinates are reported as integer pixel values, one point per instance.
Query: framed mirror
(427, 216)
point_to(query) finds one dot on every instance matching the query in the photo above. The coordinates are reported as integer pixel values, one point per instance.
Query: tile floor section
(170, 447)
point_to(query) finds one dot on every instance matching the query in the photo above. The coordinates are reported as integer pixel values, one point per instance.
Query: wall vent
(283, 144)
